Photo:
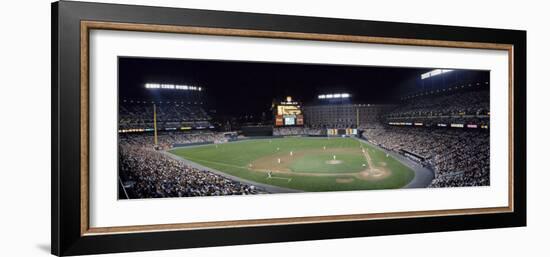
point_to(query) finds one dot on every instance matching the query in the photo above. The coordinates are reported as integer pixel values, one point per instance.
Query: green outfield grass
(316, 164)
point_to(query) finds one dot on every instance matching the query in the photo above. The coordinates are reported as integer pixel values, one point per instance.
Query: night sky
(234, 87)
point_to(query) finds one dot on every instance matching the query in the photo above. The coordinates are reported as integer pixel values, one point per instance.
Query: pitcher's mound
(333, 162)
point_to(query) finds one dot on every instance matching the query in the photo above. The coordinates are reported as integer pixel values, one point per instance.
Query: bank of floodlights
(172, 87)
(434, 73)
(334, 96)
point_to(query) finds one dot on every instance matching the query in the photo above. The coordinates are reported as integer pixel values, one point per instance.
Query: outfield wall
(192, 144)
(257, 131)
(243, 139)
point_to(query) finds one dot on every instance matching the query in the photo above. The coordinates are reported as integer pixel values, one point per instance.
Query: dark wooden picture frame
(71, 23)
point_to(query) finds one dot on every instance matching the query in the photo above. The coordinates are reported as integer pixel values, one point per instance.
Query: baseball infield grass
(307, 164)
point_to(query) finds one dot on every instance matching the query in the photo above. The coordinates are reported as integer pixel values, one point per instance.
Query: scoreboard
(288, 113)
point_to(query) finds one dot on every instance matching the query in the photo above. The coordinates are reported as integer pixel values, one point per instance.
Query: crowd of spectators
(465, 107)
(168, 139)
(296, 131)
(459, 157)
(334, 125)
(147, 173)
(139, 115)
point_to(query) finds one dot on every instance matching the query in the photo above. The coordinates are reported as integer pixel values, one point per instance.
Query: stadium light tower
(155, 123)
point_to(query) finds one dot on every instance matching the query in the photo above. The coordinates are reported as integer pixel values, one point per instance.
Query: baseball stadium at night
(211, 128)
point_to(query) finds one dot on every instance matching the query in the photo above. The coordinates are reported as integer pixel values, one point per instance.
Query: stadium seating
(459, 157)
(459, 107)
(296, 131)
(139, 115)
(167, 139)
(147, 173)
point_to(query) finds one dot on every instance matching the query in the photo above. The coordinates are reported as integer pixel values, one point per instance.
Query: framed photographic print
(177, 128)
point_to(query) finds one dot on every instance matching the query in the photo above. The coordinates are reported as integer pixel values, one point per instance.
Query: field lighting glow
(434, 73)
(172, 86)
(332, 96)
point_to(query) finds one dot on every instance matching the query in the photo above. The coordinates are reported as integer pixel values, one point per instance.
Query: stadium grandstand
(170, 115)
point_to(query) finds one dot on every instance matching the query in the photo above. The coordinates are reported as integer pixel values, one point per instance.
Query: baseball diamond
(316, 164)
